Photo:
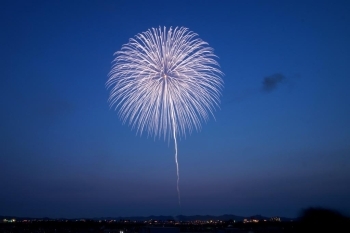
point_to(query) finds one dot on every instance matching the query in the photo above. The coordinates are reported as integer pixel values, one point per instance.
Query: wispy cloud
(271, 82)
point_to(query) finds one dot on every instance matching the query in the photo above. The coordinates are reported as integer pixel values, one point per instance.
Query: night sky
(280, 141)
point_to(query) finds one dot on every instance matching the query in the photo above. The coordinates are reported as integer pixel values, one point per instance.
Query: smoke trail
(177, 170)
(177, 163)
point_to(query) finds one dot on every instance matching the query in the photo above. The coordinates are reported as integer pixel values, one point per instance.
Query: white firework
(165, 82)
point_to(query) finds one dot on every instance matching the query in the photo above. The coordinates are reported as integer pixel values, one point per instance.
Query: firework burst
(165, 82)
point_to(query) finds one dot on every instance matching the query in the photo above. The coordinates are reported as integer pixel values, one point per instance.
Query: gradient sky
(280, 141)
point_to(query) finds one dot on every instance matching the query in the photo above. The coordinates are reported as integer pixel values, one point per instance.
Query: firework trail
(165, 82)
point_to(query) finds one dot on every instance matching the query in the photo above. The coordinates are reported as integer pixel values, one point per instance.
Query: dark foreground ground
(115, 227)
(105, 227)
(311, 220)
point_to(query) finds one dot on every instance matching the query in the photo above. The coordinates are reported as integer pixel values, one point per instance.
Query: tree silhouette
(323, 220)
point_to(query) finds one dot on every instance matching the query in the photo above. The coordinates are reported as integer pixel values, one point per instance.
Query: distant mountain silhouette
(224, 217)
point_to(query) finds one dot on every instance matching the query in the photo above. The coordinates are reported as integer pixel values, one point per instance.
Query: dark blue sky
(280, 141)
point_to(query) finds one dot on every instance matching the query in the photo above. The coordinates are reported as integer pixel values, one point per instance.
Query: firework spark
(165, 82)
